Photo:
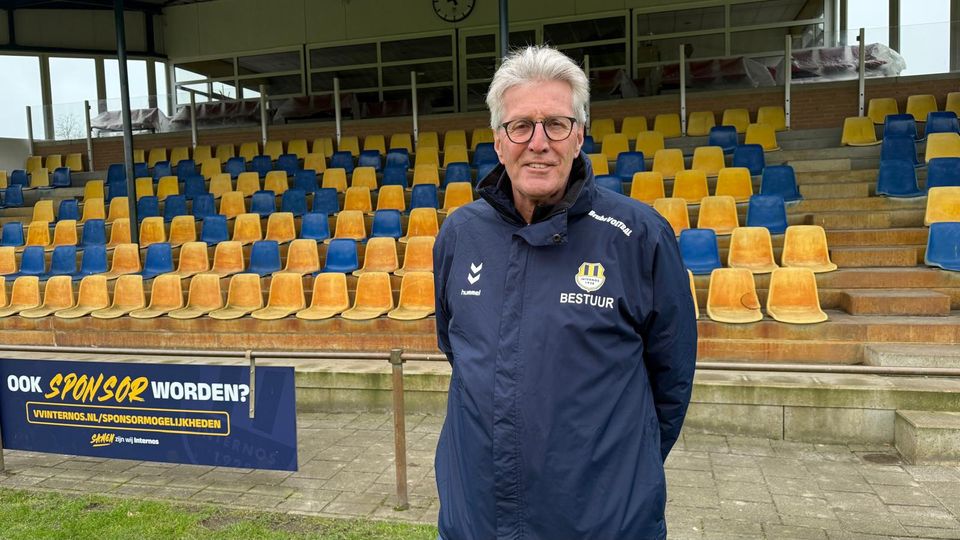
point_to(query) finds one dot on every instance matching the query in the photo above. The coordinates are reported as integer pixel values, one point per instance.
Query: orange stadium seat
(373, 297)
(879, 108)
(315, 162)
(246, 229)
(329, 298)
(302, 257)
(322, 146)
(57, 295)
(43, 211)
(227, 258)
(128, 295)
(202, 152)
(152, 231)
(690, 186)
(298, 147)
(276, 181)
(183, 229)
(126, 260)
(708, 159)
(921, 105)
(456, 195)
(274, 149)
(38, 233)
(391, 198)
(674, 210)
(248, 183)
(225, 152)
(335, 178)
(806, 246)
(942, 145)
(699, 123)
(365, 177)
(350, 224)
(243, 297)
(613, 144)
(380, 255)
(281, 227)
(286, 297)
(418, 256)
(232, 204)
(773, 116)
(667, 124)
(358, 198)
(427, 155)
(64, 233)
(91, 296)
(738, 118)
(401, 140)
(764, 135)
(647, 186)
(220, 184)
(92, 209)
(422, 222)
(416, 297)
(943, 204)
(793, 296)
(480, 135)
(93, 189)
(119, 209)
(349, 143)
(166, 295)
(203, 296)
(249, 150)
(632, 125)
(119, 233)
(426, 173)
(859, 131)
(751, 248)
(8, 260)
(668, 162)
(718, 213)
(732, 297)
(735, 182)
(24, 295)
(599, 163)
(193, 259)
(649, 142)
(375, 142)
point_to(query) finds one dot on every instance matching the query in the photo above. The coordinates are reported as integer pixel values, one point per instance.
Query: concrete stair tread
(914, 348)
(927, 436)
(874, 256)
(932, 419)
(919, 302)
(911, 355)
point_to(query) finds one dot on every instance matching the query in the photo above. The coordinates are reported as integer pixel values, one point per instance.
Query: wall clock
(453, 10)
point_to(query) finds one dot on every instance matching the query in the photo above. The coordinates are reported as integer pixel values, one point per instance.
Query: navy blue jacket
(572, 342)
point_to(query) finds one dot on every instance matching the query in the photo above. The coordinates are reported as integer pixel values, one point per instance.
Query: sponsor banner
(156, 412)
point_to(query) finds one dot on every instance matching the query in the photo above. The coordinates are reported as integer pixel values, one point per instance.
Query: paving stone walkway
(719, 486)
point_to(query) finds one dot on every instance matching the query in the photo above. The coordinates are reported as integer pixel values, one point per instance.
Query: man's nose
(539, 141)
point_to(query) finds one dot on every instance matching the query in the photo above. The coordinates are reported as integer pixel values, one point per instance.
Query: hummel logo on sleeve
(474, 274)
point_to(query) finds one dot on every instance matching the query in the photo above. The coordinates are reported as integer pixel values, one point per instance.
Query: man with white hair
(566, 315)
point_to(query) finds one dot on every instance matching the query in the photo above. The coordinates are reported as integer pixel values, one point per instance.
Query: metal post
(787, 75)
(862, 51)
(125, 114)
(504, 28)
(586, 70)
(413, 98)
(30, 129)
(253, 381)
(193, 118)
(263, 114)
(399, 429)
(336, 107)
(683, 89)
(86, 114)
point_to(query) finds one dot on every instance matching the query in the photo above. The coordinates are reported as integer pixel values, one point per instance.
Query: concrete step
(863, 257)
(857, 204)
(869, 220)
(881, 237)
(834, 191)
(822, 177)
(925, 437)
(896, 302)
(911, 355)
(820, 164)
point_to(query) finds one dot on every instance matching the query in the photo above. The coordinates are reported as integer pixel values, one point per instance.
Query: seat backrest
(394, 176)
(63, 261)
(370, 158)
(674, 210)
(302, 257)
(900, 125)
(265, 257)
(699, 123)
(738, 118)
(424, 196)
(276, 181)
(380, 255)
(943, 204)
(690, 185)
(182, 230)
(628, 164)
(174, 205)
(263, 203)
(751, 248)
(159, 260)
(193, 258)
(608, 181)
(294, 201)
(806, 246)
(341, 256)
(943, 245)
(386, 223)
(315, 226)
(12, 234)
(423, 222)
(306, 180)
(718, 213)
(667, 124)
(152, 231)
(898, 178)
(736, 182)
(699, 250)
(228, 258)
(335, 177)
(708, 159)
(232, 204)
(647, 186)
(632, 125)
(280, 227)
(723, 136)
(732, 296)
(767, 211)
(350, 224)
(668, 162)
(457, 172)
(214, 229)
(247, 229)
(751, 157)
(943, 171)
(342, 160)
(613, 144)
(418, 256)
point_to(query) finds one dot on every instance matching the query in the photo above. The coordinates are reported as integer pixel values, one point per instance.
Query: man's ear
(580, 135)
(497, 141)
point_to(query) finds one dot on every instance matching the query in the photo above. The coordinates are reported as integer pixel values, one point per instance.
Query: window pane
(481, 68)
(774, 11)
(161, 71)
(275, 86)
(350, 79)
(771, 39)
(268, 63)
(668, 50)
(522, 38)
(614, 55)
(481, 44)
(72, 80)
(430, 72)
(205, 69)
(412, 49)
(580, 31)
(346, 55)
(872, 16)
(136, 79)
(684, 20)
(21, 87)
(925, 38)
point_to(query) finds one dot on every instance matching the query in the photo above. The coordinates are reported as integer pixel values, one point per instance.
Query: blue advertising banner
(175, 413)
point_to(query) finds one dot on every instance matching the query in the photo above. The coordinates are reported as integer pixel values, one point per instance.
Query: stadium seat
(264, 258)
(323, 146)
(767, 211)
(369, 159)
(246, 229)
(325, 201)
(329, 298)
(738, 118)
(12, 234)
(647, 187)
(424, 196)
(400, 157)
(155, 156)
(718, 213)
(350, 224)
(900, 125)
(373, 297)
(116, 172)
(751, 157)
(699, 123)
(243, 298)
(943, 204)
(306, 180)
(202, 152)
(43, 211)
(143, 187)
(773, 116)
(93, 209)
(588, 147)
(358, 198)
(611, 182)
(302, 257)
(342, 160)
(119, 232)
(937, 122)
(942, 145)
(91, 296)
(693, 294)
(161, 169)
(485, 153)
(899, 147)
(53, 161)
(341, 256)
(235, 166)
(386, 223)
(203, 206)
(173, 206)
(60, 178)
(735, 182)
(649, 142)
(276, 181)
(274, 149)
(668, 162)
(898, 178)
(249, 150)
(455, 154)
(93, 261)
(374, 143)
(943, 172)
(8, 262)
(364, 177)
(315, 226)
(485, 169)
(193, 259)
(13, 196)
(599, 164)
(285, 298)
(391, 198)
(126, 260)
(632, 125)
(461, 193)
(32, 262)
(732, 296)
(128, 295)
(416, 297)
(668, 125)
(613, 145)
(780, 180)
(457, 172)
(280, 227)
(58, 294)
(179, 153)
(93, 189)
(193, 186)
(919, 106)
(166, 295)
(674, 210)
(879, 108)
(690, 186)
(68, 209)
(220, 184)
(213, 229)
(380, 255)
(858, 131)
(418, 257)
(349, 143)
(19, 177)
(427, 139)
(806, 246)
(152, 231)
(225, 152)
(762, 134)
(159, 260)
(600, 128)
(63, 262)
(422, 222)
(723, 136)
(294, 201)
(426, 174)
(263, 203)
(751, 248)
(953, 102)
(298, 147)
(261, 165)
(336, 178)
(203, 296)
(232, 204)
(708, 159)
(394, 176)
(227, 258)
(248, 183)
(481, 135)
(792, 296)
(699, 250)
(628, 164)
(943, 246)
(25, 295)
(65, 233)
(38, 234)
(186, 168)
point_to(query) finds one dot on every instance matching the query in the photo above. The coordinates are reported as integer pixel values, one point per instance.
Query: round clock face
(453, 10)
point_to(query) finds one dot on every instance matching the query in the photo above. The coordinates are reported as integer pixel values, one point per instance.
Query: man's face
(539, 168)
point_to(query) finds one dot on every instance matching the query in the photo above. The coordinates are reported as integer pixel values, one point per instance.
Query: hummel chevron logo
(474, 274)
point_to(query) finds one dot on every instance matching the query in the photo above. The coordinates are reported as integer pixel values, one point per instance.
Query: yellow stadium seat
(126, 260)
(143, 187)
(480, 135)
(647, 186)
(358, 198)
(286, 297)
(600, 128)
(152, 231)
(246, 229)
(43, 211)
(92, 209)
(708, 159)
(38, 233)
(426, 174)
(454, 154)
(249, 150)
(718, 213)
(33, 163)
(64, 233)
(274, 149)
(335, 178)
(119, 233)
(427, 155)
(401, 140)
(418, 256)
(178, 154)
(220, 184)
(210, 167)
(128, 295)
(57, 295)
(315, 162)
(243, 297)
(39, 178)
(422, 222)
(454, 137)
(74, 162)
(953, 102)
(202, 152)
(633, 125)
(428, 139)
(364, 177)
(276, 181)
(668, 125)
(91, 296)
(732, 297)
(693, 293)
(139, 155)
(281, 227)
(380, 255)
(167, 186)
(455, 195)
(649, 142)
(350, 224)
(228, 259)
(735, 182)
(764, 135)
(943, 204)
(391, 198)
(751, 248)
(921, 105)
(375, 142)
(4, 179)
(942, 145)
(166, 295)
(203, 296)
(738, 118)
(792, 296)
(8, 261)
(690, 186)
(614, 144)
(248, 183)
(806, 246)
(156, 155)
(879, 108)
(416, 297)
(323, 146)
(374, 297)
(232, 204)
(773, 116)
(329, 298)
(119, 209)
(25, 295)
(193, 259)
(858, 131)
(599, 163)
(668, 162)
(53, 161)
(302, 257)
(225, 152)
(674, 210)
(298, 147)
(349, 143)
(699, 123)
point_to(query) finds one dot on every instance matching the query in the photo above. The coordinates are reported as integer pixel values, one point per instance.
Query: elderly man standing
(565, 312)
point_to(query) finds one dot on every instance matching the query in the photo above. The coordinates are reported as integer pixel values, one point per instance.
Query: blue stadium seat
(193, 186)
(484, 170)
(941, 122)
(63, 262)
(19, 177)
(159, 260)
(325, 201)
(140, 170)
(751, 157)
(289, 163)
(315, 226)
(485, 153)
(611, 182)
(116, 172)
(341, 256)
(899, 125)
(116, 189)
(148, 207)
(780, 180)
(203, 206)
(943, 246)
(69, 209)
(386, 223)
(370, 158)
(263, 202)
(94, 261)
(767, 211)
(12, 234)
(723, 136)
(627, 164)
(261, 165)
(394, 176)
(398, 157)
(424, 196)
(588, 146)
(235, 166)
(161, 169)
(94, 233)
(699, 250)
(897, 178)
(264, 258)
(899, 147)
(943, 171)
(186, 168)
(13, 196)
(60, 178)
(32, 263)
(342, 160)
(306, 180)
(173, 206)
(457, 172)
(214, 229)
(295, 201)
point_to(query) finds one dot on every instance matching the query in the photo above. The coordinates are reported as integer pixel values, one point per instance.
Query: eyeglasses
(556, 128)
